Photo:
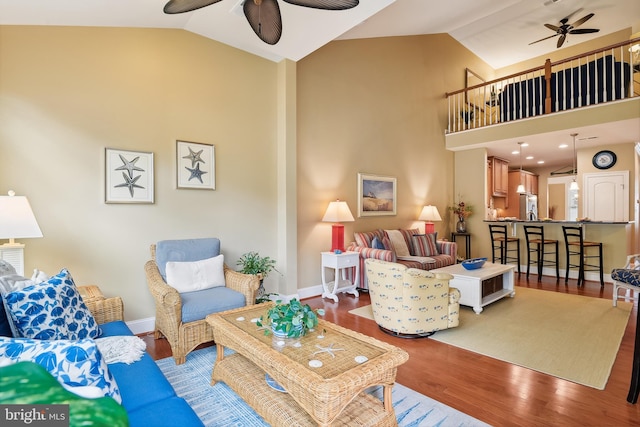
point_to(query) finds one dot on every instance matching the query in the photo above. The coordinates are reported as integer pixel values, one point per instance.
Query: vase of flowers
(462, 211)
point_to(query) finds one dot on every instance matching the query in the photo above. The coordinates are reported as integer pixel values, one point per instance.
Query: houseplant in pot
(253, 263)
(289, 320)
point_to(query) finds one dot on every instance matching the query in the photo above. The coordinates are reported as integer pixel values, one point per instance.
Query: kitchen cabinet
(499, 181)
(530, 182)
(528, 179)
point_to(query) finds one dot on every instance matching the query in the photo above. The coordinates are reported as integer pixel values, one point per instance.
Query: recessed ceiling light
(524, 144)
(563, 145)
(540, 162)
(515, 152)
(529, 157)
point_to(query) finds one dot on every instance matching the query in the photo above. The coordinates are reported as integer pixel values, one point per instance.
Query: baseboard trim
(142, 326)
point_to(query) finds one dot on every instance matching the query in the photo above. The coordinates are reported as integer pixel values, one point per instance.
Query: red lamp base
(429, 228)
(337, 237)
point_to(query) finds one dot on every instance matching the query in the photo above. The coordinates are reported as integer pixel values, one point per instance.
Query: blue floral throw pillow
(51, 310)
(73, 363)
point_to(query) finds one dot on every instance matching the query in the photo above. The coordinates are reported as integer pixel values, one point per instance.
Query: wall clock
(604, 159)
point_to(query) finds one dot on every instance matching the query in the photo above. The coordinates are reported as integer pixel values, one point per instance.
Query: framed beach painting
(376, 195)
(128, 176)
(196, 165)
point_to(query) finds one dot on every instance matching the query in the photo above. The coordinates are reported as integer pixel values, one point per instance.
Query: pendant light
(574, 185)
(520, 189)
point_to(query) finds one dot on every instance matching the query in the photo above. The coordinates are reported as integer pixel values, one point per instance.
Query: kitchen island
(616, 237)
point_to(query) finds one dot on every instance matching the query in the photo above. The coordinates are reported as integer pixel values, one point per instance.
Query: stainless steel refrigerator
(528, 207)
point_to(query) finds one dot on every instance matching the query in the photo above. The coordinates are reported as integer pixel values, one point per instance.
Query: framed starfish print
(128, 176)
(196, 165)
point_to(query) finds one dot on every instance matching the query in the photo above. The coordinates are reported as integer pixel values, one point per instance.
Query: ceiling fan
(263, 15)
(566, 28)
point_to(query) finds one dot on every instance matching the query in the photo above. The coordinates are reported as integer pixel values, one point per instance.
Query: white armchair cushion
(196, 275)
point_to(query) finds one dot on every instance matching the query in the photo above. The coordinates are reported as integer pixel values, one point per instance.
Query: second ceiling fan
(565, 28)
(263, 15)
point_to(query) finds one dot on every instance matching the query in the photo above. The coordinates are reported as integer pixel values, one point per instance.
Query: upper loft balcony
(599, 86)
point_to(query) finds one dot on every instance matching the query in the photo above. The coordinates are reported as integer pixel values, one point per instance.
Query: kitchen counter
(553, 221)
(616, 237)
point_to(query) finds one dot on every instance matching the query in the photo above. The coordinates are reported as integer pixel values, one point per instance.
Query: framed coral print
(376, 195)
(196, 165)
(128, 176)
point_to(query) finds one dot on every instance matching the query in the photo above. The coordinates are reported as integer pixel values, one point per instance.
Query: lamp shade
(17, 219)
(338, 211)
(429, 213)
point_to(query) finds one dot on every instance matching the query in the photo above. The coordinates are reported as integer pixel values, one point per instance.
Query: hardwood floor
(498, 393)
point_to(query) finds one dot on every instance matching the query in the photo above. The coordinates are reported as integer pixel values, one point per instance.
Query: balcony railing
(596, 77)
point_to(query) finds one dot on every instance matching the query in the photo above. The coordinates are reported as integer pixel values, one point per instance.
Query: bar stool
(575, 245)
(500, 242)
(536, 243)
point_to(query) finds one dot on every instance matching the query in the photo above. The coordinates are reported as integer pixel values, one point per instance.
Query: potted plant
(289, 320)
(253, 263)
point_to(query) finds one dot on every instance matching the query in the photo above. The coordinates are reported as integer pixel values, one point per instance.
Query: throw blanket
(121, 349)
(398, 243)
(420, 259)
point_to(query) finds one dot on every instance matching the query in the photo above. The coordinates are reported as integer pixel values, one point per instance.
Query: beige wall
(375, 106)
(289, 138)
(67, 93)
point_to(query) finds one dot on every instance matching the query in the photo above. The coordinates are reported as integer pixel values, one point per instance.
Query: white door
(606, 196)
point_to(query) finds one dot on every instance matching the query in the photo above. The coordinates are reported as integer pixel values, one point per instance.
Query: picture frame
(128, 176)
(195, 165)
(377, 195)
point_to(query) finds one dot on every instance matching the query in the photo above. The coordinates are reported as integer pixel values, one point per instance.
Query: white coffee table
(482, 286)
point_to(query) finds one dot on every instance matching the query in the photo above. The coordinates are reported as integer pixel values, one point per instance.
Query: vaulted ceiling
(498, 31)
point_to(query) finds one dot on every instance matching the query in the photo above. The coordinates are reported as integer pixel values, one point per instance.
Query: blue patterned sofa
(425, 252)
(48, 309)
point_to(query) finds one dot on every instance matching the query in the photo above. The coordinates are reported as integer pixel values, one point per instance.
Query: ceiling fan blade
(552, 27)
(542, 39)
(181, 6)
(325, 4)
(265, 19)
(564, 20)
(582, 20)
(584, 31)
(561, 40)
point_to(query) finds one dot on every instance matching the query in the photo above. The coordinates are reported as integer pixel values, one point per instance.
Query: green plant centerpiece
(261, 266)
(289, 320)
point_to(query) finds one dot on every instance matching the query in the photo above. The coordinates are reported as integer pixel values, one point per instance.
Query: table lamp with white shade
(337, 212)
(16, 222)
(428, 215)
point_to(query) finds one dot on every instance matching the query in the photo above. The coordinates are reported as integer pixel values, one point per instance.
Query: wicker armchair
(184, 337)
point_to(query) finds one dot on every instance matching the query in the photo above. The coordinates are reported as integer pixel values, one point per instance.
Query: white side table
(340, 262)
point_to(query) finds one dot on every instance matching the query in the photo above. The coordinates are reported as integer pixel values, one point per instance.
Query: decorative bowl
(474, 263)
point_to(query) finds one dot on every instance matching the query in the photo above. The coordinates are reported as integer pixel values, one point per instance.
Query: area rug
(219, 406)
(572, 337)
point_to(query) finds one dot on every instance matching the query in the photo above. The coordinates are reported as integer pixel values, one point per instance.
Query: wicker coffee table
(323, 373)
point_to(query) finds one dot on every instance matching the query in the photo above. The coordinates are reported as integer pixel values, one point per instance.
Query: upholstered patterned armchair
(411, 303)
(180, 315)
